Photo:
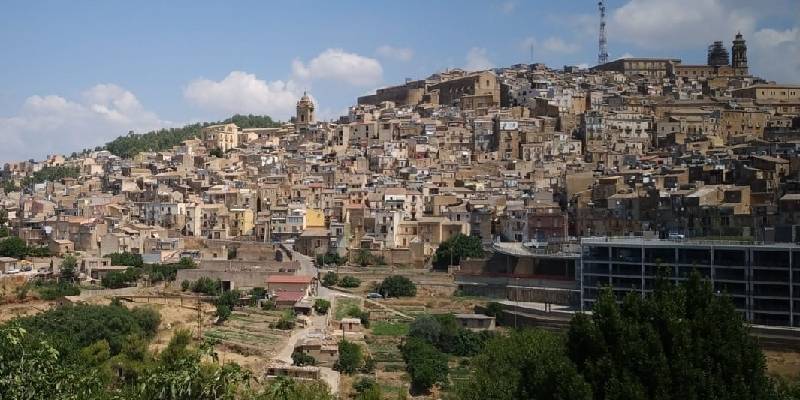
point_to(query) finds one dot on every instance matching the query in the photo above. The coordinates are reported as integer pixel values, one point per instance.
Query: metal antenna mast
(602, 56)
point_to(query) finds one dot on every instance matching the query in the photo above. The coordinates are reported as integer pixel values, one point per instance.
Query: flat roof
(289, 279)
(691, 242)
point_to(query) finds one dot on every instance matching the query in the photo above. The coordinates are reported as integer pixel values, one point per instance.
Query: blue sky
(77, 74)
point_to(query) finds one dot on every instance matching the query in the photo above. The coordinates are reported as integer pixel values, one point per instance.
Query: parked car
(374, 296)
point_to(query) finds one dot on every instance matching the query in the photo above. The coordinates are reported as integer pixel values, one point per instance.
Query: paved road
(319, 323)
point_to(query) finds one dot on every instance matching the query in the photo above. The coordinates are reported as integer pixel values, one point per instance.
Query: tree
(302, 359)
(426, 366)
(526, 364)
(350, 357)
(185, 285)
(364, 257)
(349, 281)
(127, 259)
(367, 389)
(321, 306)
(680, 342)
(14, 247)
(397, 286)
(216, 152)
(207, 286)
(451, 251)
(288, 389)
(67, 270)
(330, 279)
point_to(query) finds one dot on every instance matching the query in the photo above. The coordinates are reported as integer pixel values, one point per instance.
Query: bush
(223, 313)
(350, 357)
(330, 258)
(426, 366)
(208, 286)
(330, 279)
(397, 286)
(268, 305)
(129, 259)
(185, 285)
(494, 309)
(321, 306)
(285, 323)
(349, 282)
(302, 359)
(52, 290)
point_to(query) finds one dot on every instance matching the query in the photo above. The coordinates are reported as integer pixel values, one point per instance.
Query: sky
(76, 74)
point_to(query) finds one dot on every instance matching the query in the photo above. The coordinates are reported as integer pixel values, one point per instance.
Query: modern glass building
(763, 280)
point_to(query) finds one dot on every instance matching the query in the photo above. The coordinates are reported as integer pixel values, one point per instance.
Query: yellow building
(242, 222)
(223, 137)
(315, 218)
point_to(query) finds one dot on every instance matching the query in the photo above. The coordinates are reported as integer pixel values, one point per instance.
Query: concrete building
(763, 280)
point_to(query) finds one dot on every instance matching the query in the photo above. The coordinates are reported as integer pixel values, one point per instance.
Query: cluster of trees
(680, 342)
(137, 268)
(451, 251)
(330, 258)
(364, 258)
(132, 144)
(51, 174)
(102, 352)
(431, 338)
(397, 286)
(333, 279)
(205, 285)
(14, 246)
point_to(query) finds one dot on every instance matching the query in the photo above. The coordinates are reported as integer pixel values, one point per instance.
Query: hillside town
(567, 180)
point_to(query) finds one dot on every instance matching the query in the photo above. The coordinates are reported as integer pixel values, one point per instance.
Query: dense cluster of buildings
(525, 158)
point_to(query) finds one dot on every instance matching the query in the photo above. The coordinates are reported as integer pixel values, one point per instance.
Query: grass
(343, 304)
(382, 328)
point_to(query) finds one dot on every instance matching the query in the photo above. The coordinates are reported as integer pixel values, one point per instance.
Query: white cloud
(338, 65)
(676, 23)
(552, 45)
(52, 124)
(477, 59)
(508, 6)
(770, 45)
(690, 25)
(242, 92)
(395, 53)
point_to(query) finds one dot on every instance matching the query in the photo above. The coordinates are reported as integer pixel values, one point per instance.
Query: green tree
(350, 357)
(680, 342)
(367, 389)
(526, 364)
(14, 247)
(67, 270)
(127, 259)
(208, 286)
(289, 389)
(397, 286)
(301, 359)
(451, 251)
(349, 281)
(216, 152)
(426, 366)
(321, 306)
(330, 279)
(364, 258)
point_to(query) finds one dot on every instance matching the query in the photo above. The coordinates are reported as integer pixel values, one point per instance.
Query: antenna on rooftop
(602, 56)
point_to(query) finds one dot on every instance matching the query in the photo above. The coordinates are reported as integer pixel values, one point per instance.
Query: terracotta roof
(289, 279)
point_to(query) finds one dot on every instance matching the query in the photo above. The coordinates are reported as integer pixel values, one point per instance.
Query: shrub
(321, 306)
(397, 286)
(350, 357)
(185, 285)
(426, 366)
(349, 282)
(207, 286)
(301, 359)
(330, 279)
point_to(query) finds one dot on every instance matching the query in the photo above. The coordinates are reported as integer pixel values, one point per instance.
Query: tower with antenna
(602, 56)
